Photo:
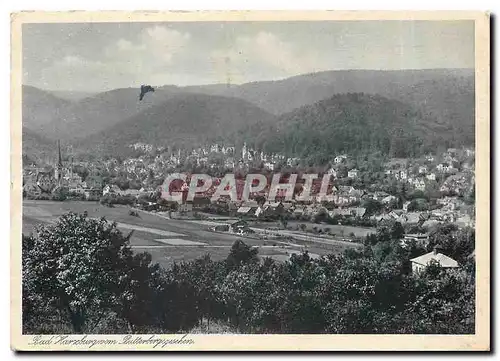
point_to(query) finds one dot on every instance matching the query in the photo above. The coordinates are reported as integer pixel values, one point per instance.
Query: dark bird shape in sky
(145, 89)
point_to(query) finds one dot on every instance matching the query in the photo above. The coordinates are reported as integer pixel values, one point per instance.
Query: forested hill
(353, 123)
(184, 120)
(37, 148)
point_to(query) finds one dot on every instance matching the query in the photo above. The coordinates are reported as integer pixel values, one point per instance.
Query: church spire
(59, 157)
(59, 166)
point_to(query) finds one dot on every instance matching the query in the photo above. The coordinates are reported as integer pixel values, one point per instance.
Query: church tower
(59, 166)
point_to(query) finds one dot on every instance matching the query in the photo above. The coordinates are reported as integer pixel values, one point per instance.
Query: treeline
(81, 276)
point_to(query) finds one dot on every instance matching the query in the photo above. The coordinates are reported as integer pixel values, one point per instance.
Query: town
(363, 191)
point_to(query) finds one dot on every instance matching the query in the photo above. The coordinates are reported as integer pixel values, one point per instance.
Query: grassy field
(167, 240)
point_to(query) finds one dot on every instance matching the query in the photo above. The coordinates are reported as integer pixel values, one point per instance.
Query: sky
(94, 57)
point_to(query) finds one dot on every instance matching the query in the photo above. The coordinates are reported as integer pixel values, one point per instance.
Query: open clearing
(181, 240)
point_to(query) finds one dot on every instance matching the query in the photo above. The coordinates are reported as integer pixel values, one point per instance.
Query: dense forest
(81, 276)
(353, 123)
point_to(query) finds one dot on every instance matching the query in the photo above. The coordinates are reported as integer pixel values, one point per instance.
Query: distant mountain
(56, 118)
(71, 95)
(184, 119)
(447, 95)
(40, 109)
(282, 96)
(353, 123)
(444, 95)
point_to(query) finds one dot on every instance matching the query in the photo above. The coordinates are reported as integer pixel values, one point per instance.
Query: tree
(389, 230)
(241, 254)
(419, 205)
(284, 221)
(80, 267)
(372, 206)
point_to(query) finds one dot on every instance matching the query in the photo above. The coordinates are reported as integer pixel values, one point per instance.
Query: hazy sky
(102, 56)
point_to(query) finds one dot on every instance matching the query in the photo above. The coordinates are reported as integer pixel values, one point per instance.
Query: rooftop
(442, 259)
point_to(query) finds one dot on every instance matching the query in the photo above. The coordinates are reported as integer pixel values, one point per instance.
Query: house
(377, 196)
(339, 212)
(185, 208)
(412, 217)
(332, 172)
(220, 228)
(431, 176)
(396, 214)
(444, 188)
(388, 199)
(269, 165)
(111, 188)
(270, 209)
(420, 239)
(419, 184)
(469, 152)
(198, 203)
(465, 221)
(291, 162)
(31, 188)
(444, 168)
(353, 173)
(246, 211)
(92, 194)
(449, 203)
(77, 190)
(298, 211)
(422, 169)
(380, 217)
(358, 211)
(405, 206)
(339, 159)
(229, 163)
(131, 193)
(240, 226)
(419, 264)
(348, 212)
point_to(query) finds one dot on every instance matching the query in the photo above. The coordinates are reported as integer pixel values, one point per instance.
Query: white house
(353, 173)
(445, 168)
(431, 176)
(269, 165)
(111, 188)
(388, 199)
(419, 184)
(339, 159)
(332, 172)
(419, 264)
(422, 169)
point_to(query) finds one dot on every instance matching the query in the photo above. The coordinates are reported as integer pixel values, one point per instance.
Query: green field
(167, 240)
